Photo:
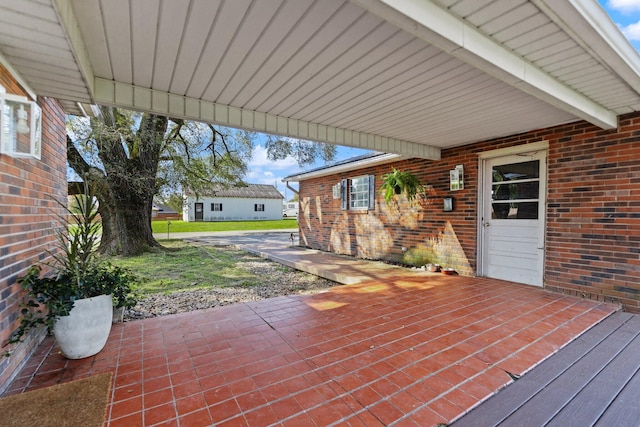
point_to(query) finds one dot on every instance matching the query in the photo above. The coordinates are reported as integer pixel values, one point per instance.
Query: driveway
(239, 237)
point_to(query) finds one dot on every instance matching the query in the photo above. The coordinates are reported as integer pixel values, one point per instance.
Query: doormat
(76, 403)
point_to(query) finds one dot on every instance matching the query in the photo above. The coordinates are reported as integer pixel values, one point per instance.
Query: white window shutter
(343, 193)
(372, 192)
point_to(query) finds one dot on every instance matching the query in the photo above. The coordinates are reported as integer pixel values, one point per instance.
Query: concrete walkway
(278, 246)
(232, 237)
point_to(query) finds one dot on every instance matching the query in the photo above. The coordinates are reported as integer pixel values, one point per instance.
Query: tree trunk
(126, 224)
(126, 186)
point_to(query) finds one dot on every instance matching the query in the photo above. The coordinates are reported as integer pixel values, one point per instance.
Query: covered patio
(424, 81)
(398, 347)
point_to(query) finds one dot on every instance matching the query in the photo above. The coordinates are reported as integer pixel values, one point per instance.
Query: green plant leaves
(405, 182)
(77, 271)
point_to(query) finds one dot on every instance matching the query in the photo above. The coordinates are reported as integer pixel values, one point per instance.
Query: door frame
(195, 211)
(503, 152)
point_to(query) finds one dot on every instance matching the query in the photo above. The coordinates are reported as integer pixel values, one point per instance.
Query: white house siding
(233, 209)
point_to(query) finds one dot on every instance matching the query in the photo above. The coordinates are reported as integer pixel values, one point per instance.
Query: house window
(358, 193)
(216, 207)
(258, 207)
(20, 126)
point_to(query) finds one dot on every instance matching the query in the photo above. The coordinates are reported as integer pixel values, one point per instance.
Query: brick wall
(593, 233)
(593, 212)
(429, 234)
(28, 189)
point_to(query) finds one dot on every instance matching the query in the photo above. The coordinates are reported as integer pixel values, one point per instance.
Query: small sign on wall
(336, 191)
(448, 204)
(456, 178)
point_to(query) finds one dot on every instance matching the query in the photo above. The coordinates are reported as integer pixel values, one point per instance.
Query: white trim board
(516, 149)
(137, 98)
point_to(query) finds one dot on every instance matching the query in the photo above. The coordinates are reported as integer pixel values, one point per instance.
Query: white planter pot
(85, 330)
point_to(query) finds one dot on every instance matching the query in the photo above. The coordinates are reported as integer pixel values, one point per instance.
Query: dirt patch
(274, 280)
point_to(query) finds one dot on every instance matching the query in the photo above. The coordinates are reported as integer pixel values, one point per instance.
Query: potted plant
(76, 300)
(399, 182)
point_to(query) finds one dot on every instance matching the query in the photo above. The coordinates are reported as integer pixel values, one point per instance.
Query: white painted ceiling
(403, 76)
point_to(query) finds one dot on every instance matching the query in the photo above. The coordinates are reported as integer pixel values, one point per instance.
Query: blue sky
(264, 171)
(625, 13)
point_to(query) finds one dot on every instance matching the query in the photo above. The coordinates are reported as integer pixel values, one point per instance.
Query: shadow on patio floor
(399, 347)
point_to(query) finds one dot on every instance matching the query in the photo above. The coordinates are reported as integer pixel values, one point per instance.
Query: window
(216, 207)
(358, 193)
(20, 126)
(515, 190)
(258, 207)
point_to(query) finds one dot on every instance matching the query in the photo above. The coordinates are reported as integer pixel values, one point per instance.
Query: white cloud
(261, 170)
(624, 6)
(260, 176)
(260, 159)
(632, 31)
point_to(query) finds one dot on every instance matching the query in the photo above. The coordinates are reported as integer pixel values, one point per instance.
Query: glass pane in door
(515, 190)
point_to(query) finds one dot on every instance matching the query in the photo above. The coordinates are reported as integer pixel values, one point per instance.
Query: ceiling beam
(21, 81)
(596, 33)
(438, 27)
(79, 50)
(108, 92)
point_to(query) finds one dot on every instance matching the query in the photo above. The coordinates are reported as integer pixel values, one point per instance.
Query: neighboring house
(160, 211)
(33, 190)
(252, 202)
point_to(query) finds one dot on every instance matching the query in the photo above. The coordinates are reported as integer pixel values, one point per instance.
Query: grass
(183, 226)
(186, 266)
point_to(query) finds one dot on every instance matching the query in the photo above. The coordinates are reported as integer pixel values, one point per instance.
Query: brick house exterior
(592, 234)
(29, 189)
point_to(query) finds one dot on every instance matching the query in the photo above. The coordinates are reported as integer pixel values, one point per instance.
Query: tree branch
(107, 134)
(79, 164)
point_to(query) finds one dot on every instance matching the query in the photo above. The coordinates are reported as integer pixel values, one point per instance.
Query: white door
(513, 218)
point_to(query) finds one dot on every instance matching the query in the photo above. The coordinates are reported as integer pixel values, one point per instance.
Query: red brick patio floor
(409, 350)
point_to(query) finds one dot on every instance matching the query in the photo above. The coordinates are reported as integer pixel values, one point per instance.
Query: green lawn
(184, 266)
(185, 227)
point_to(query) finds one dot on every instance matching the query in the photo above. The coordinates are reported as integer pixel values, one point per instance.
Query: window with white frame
(20, 126)
(358, 193)
(216, 207)
(258, 207)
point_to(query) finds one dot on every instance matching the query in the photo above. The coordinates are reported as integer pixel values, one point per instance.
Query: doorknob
(486, 224)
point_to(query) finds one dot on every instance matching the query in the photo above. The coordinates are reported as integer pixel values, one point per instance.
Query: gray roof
(346, 165)
(355, 159)
(163, 208)
(251, 191)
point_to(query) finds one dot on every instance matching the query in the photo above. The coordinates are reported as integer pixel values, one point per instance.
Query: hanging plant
(399, 182)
